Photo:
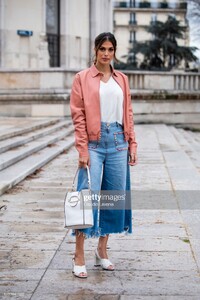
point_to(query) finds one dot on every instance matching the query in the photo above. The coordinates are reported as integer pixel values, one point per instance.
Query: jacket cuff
(83, 154)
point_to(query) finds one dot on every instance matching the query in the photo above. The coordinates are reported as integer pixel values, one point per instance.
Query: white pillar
(101, 18)
(2, 32)
(74, 34)
(64, 28)
(43, 53)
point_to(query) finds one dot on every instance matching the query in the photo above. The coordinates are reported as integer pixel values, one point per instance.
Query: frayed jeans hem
(98, 233)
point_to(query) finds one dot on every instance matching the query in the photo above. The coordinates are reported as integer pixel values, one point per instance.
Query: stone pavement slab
(19, 281)
(137, 260)
(147, 283)
(25, 258)
(38, 242)
(160, 260)
(182, 297)
(138, 243)
(19, 229)
(15, 296)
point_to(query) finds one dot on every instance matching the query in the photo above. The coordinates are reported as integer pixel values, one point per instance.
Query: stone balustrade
(58, 79)
(168, 81)
(166, 97)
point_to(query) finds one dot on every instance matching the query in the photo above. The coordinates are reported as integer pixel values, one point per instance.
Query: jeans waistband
(108, 125)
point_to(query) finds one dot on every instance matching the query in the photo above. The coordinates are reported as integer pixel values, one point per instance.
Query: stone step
(189, 136)
(196, 136)
(20, 170)
(179, 165)
(186, 145)
(181, 168)
(11, 157)
(166, 139)
(22, 126)
(183, 173)
(16, 141)
(183, 142)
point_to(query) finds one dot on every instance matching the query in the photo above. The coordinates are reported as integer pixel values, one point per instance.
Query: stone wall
(80, 22)
(157, 96)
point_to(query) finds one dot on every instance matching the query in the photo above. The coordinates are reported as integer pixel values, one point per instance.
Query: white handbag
(78, 206)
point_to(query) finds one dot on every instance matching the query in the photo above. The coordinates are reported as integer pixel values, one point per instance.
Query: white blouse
(111, 101)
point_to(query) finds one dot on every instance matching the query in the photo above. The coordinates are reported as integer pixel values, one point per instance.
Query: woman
(103, 119)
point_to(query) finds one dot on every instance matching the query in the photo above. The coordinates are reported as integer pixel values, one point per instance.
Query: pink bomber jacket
(85, 109)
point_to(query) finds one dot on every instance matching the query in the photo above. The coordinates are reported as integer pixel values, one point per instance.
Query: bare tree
(193, 16)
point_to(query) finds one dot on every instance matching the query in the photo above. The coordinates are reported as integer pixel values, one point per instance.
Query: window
(132, 18)
(153, 18)
(132, 37)
(53, 31)
(172, 15)
(172, 3)
(155, 4)
(132, 3)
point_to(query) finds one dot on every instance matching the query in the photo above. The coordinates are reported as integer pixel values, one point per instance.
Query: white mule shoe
(79, 271)
(103, 262)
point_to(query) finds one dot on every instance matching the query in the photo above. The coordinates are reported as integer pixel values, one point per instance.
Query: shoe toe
(79, 271)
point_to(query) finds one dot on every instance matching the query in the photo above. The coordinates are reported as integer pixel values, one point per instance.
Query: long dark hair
(103, 37)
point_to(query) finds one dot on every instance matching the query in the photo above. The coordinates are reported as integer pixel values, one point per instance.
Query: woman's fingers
(83, 162)
(133, 159)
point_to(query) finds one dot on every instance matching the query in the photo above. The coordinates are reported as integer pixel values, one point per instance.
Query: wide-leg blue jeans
(110, 175)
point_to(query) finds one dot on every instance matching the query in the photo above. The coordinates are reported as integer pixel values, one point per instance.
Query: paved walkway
(160, 261)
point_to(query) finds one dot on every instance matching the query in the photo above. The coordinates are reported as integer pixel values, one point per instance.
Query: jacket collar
(94, 71)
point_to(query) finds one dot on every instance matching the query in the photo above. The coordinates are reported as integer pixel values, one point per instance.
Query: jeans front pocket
(93, 144)
(120, 143)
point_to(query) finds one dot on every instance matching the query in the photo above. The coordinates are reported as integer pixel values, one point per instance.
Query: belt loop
(108, 127)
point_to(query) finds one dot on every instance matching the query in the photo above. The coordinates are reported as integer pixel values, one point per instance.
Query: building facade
(131, 17)
(51, 33)
(44, 43)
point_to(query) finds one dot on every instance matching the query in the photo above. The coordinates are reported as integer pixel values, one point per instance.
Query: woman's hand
(84, 161)
(133, 159)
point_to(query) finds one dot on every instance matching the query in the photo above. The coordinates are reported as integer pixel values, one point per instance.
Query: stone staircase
(189, 141)
(28, 144)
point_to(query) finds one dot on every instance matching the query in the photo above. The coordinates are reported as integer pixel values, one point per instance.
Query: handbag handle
(89, 180)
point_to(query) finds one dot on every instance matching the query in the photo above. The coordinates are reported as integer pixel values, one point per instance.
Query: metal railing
(149, 4)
